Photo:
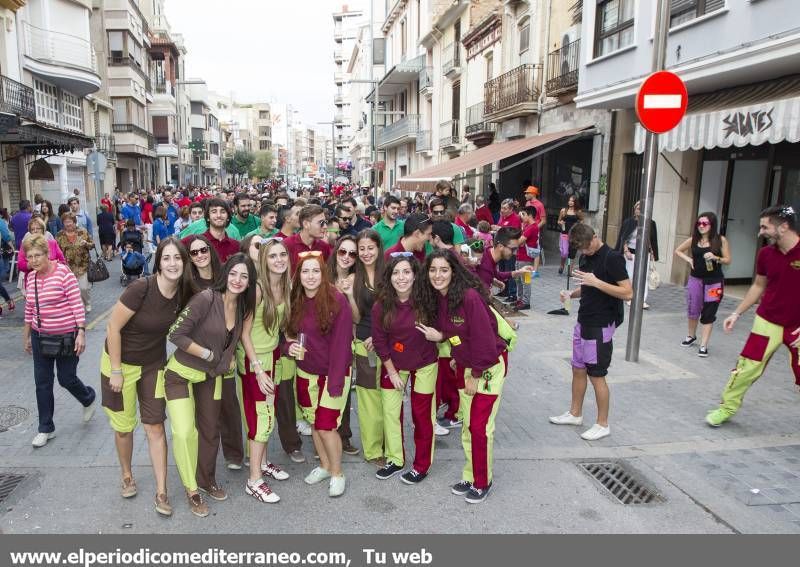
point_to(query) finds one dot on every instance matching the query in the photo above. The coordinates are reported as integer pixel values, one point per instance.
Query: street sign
(96, 165)
(661, 102)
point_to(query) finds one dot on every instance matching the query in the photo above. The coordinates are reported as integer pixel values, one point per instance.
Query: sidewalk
(704, 475)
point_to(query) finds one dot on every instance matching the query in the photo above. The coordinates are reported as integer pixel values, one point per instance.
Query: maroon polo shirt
(779, 304)
(418, 254)
(295, 245)
(487, 270)
(225, 248)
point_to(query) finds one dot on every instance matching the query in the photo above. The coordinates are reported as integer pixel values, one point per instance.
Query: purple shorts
(702, 300)
(563, 245)
(592, 348)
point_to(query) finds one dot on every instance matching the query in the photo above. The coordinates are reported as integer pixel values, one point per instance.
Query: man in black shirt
(604, 285)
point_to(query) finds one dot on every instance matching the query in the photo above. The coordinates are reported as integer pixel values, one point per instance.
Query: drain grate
(11, 416)
(621, 483)
(8, 482)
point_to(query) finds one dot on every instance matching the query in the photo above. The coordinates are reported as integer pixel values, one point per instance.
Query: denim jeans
(43, 374)
(511, 285)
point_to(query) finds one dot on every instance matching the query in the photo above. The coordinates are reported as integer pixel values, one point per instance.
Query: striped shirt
(60, 306)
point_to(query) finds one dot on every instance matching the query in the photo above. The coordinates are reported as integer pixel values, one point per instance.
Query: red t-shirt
(418, 254)
(779, 304)
(511, 220)
(468, 230)
(295, 245)
(184, 202)
(107, 203)
(225, 248)
(483, 213)
(147, 213)
(531, 234)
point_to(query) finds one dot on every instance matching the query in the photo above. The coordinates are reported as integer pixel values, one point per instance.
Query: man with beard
(777, 318)
(217, 217)
(389, 227)
(244, 222)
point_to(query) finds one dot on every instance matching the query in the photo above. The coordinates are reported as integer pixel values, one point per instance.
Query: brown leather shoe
(128, 487)
(216, 492)
(197, 506)
(379, 462)
(349, 449)
(163, 506)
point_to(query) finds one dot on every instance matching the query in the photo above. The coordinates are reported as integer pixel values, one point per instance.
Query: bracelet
(207, 355)
(118, 371)
(255, 363)
(737, 314)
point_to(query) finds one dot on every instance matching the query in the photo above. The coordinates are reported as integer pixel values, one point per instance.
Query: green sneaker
(717, 417)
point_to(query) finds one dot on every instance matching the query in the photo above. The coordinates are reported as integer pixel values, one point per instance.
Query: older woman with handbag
(75, 242)
(54, 333)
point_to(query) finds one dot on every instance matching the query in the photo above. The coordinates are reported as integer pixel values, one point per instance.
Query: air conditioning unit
(514, 128)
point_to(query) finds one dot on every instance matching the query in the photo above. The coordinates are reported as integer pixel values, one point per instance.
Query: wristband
(118, 371)
(207, 355)
(736, 314)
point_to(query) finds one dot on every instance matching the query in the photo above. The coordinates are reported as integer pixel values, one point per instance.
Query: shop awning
(426, 179)
(38, 138)
(767, 112)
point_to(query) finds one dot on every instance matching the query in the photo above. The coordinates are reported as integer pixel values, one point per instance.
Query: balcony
(338, 36)
(451, 57)
(127, 128)
(450, 136)
(399, 132)
(338, 78)
(337, 56)
(132, 139)
(164, 87)
(64, 59)
(338, 100)
(511, 95)
(106, 145)
(338, 119)
(17, 99)
(426, 82)
(424, 141)
(479, 131)
(166, 147)
(128, 62)
(562, 69)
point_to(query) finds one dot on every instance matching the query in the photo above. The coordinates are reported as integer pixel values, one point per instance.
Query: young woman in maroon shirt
(455, 308)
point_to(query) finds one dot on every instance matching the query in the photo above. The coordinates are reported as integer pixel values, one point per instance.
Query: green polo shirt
(389, 236)
(458, 238)
(200, 227)
(246, 227)
(261, 233)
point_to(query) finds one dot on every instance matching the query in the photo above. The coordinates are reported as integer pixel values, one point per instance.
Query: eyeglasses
(703, 223)
(322, 223)
(352, 253)
(344, 219)
(437, 212)
(309, 253)
(198, 251)
(401, 254)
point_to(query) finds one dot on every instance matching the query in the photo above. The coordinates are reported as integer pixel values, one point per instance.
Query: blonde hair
(37, 241)
(37, 221)
(270, 311)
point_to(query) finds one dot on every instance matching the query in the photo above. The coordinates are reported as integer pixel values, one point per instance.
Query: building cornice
(12, 5)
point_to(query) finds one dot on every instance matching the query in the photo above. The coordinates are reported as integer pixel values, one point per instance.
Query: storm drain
(621, 483)
(8, 482)
(11, 416)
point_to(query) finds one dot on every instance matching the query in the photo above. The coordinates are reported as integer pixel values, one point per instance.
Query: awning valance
(426, 179)
(752, 115)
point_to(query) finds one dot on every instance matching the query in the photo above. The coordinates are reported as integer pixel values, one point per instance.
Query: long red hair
(325, 300)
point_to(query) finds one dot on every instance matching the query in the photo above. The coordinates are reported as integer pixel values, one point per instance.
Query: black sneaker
(388, 471)
(461, 488)
(449, 423)
(477, 495)
(688, 341)
(413, 477)
(702, 352)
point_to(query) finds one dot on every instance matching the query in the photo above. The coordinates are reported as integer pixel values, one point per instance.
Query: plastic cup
(526, 277)
(301, 340)
(568, 303)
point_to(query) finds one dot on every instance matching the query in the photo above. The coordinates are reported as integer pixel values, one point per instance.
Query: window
(73, 112)
(120, 110)
(115, 44)
(524, 36)
(489, 65)
(264, 144)
(46, 102)
(57, 107)
(263, 114)
(613, 26)
(264, 131)
(403, 40)
(197, 107)
(681, 11)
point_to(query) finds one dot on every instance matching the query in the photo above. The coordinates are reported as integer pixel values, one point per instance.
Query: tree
(239, 163)
(262, 167)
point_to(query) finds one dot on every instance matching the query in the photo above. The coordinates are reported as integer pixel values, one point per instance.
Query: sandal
(163, 506)
(128, 487)
(197, 506)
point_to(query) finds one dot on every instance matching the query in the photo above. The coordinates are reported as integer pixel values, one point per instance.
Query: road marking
(94, 323)
(663, 101)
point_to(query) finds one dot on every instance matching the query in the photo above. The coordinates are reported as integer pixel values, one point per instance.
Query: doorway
(745, 202)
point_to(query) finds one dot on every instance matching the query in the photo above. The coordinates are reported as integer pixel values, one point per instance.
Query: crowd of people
(279, 306)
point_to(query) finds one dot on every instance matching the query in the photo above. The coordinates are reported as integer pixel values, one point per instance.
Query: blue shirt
(172, 216)
(133, 212)
(160, 231)
(84, 221)
(5, 235)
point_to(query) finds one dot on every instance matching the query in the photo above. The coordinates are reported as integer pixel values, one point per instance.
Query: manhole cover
(11, 416)
(8, 482)
(623, 485)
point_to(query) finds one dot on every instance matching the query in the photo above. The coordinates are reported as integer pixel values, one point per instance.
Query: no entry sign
(661, 102)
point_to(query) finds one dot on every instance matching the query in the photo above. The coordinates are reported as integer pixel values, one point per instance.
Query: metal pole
(649, 186)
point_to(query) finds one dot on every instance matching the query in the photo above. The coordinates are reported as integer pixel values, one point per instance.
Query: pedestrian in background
(75, 243)
(626, 243)
(708, 251)
(52, 222)
(54, 333)
(105, 232)
(568, 217)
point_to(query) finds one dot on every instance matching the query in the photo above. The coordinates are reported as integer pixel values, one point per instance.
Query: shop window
(613, 26)
(682, 11)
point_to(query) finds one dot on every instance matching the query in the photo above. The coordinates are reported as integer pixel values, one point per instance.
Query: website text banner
(393, 551)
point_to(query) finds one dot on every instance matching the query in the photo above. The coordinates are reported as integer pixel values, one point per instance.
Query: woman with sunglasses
(134, 354)
(206, 334)
(321, 331)
(369, 270)
(205, 262)
(707, 252)
(405, 355)
(342, 266)
(454, 306)
(258, 361)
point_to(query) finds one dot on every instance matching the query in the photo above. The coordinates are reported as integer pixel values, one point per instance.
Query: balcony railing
(128, 129)
(476, 121)
(424, 141)
(105, 144)
(16, 98)
(337, 55)
(425, 78)
(164, 87)
(449, 133)
(509, 89)
(338, 78)
(338, 99)
(128, 62)
(151, 141)
(338, 118)
(451, 56)
(562, 68)
(59, 48)
(407, 126)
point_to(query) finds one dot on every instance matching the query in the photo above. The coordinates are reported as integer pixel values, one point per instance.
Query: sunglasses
(198, 251)
(309, 253)
(323, 223)
(352, 253)
(703, 223)
(345, 219)
(270, 240)
(401, 254)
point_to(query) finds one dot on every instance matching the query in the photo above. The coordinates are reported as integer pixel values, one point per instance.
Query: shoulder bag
(51, 346)
(97, 270)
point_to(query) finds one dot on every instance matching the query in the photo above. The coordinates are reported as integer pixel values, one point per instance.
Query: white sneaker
(261, 491)
(41, 439)
(336, 486)
(318, 474)
(567, 418)
(304, 428)
(439, 430)
(88, 411)
(273, 470)
(596, 432)
(233, 466)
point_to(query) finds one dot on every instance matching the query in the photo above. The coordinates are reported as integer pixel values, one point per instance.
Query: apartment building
(736, 151)
(205, 134)
(49, 67)
(345, 29)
